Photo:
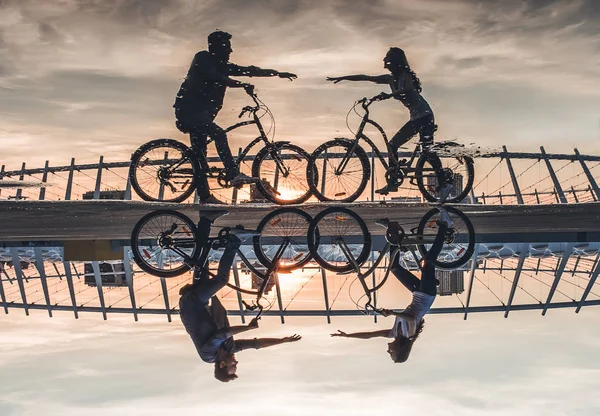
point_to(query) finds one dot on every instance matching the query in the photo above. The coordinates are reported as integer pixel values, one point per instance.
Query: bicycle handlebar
(249, 109)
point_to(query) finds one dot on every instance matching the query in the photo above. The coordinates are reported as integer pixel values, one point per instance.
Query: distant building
(111, 274)
(106, 194)
(257, 281)
(458, 185)
(451, 282)
(256, 195)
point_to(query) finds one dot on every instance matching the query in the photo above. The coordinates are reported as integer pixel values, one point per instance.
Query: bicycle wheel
(460, 168)
(332, 228)
(161, 170)
(289, 225)
(325, 178)
(459, 244)
(287, 184)
(162, 241)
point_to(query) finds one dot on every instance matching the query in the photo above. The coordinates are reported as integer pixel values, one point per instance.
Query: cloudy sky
(88, 77)
(487, 366)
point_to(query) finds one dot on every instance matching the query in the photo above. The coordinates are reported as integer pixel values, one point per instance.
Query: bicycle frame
(407, 166)
(408, 241)
(214, 172)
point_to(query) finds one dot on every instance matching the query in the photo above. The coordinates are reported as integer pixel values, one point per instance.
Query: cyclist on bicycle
(406, 88)
(201, 97)
(409, 322)
(208, 326)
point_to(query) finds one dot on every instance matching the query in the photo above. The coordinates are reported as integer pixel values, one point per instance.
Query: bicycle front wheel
(335, 234)
(161, 170)
(460, 168)
(459, 242)
(287, 226)
(282, 172)
(164, 242)
(338, 171)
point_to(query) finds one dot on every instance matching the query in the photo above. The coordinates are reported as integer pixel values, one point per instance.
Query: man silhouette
(201, 97)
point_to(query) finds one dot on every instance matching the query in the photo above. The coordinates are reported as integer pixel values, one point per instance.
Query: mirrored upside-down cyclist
(208, 326)
(200, 99)
(409, 322)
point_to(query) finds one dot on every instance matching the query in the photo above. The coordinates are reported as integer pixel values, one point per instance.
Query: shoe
(444, 192)
(212, 200)
(387, 189)
(243, 179)
(444, 217)
(212, 216)
(383, 222)
(243, 234)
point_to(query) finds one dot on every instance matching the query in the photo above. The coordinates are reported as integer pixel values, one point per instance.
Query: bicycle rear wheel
(161, 170)
(164, 242)
(336, 227)
(459, 243)
(285, 225)
(283, 184)
(460, 168)
(338, 171)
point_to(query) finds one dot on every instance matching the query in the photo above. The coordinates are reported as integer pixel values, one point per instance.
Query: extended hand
(253, 323)
(293, 338)
(382, 96)
(287, 75)
(339, 334)
(335, 80)
(249, 88)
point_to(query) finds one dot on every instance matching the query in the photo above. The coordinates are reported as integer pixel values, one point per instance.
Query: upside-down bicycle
(165, 243)
(340, 241)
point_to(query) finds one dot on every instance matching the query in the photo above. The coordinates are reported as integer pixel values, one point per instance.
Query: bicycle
(166, 169)
(165, 243)
(343, 166)
(340, 241)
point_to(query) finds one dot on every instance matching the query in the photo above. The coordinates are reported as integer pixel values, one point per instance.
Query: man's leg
(220, 138)
(203, 233)
(207, 288)
(198, 141)
(409, 280)
(428, 280)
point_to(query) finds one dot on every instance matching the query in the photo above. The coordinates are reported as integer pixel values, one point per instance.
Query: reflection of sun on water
(288, 281)
(285, 192)
(294, 280)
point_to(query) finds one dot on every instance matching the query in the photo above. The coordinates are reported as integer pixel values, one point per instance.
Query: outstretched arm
(378, 79)
(254, 71)
(257, 343)
(363, 335)
(204, 66)
(238, 329)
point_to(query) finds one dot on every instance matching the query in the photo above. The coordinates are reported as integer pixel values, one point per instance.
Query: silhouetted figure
(406, 87)
(208, 325)
(201, 97)
(409, 322)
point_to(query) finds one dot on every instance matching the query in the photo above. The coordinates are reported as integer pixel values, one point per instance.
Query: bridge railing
(500, 178)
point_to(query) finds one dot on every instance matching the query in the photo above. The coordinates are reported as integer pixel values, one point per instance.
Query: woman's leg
(428, 282)
(409, 280)
(403, 135)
